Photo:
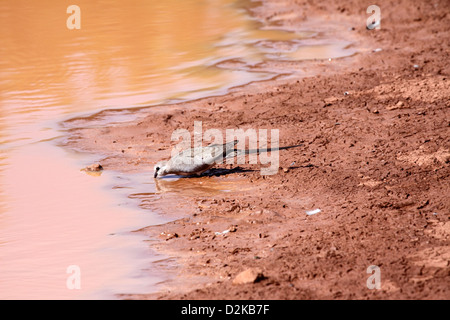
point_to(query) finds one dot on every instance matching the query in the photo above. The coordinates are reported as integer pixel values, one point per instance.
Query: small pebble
(311, 212)
(251, 275)
(93, 167)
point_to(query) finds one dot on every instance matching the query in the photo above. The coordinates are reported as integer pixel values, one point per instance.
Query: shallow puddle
(57, 216)
(126, 54)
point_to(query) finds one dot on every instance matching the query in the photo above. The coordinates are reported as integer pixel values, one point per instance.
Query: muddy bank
(375, 159)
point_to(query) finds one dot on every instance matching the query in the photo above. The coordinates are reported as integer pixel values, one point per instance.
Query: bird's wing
(199, 158)
(217, 152)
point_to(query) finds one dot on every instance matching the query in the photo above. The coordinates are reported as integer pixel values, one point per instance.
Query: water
(57, 217)
(126, 54)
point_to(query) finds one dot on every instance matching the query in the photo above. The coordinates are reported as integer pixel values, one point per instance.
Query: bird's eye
(157, 169)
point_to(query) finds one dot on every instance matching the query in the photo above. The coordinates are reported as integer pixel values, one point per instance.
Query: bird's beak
(155, 175)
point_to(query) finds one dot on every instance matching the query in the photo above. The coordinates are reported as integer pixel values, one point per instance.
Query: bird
(195, 161)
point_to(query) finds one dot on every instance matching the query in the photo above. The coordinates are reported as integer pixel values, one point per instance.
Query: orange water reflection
(125, 54)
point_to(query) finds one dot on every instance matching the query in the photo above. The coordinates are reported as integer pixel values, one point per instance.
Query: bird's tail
(240, 152)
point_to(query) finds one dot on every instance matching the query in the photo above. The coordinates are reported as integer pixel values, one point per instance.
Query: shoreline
(375, 161)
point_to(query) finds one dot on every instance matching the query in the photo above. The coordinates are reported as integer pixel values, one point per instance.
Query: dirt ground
(375, 159)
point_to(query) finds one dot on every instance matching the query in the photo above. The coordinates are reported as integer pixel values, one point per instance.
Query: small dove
(195, 161)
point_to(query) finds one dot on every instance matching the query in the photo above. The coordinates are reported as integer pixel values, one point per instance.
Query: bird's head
(160, 169)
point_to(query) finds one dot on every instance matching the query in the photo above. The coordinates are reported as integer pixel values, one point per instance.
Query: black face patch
(156, 172)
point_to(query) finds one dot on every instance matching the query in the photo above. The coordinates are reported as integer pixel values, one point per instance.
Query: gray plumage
(195, 161)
